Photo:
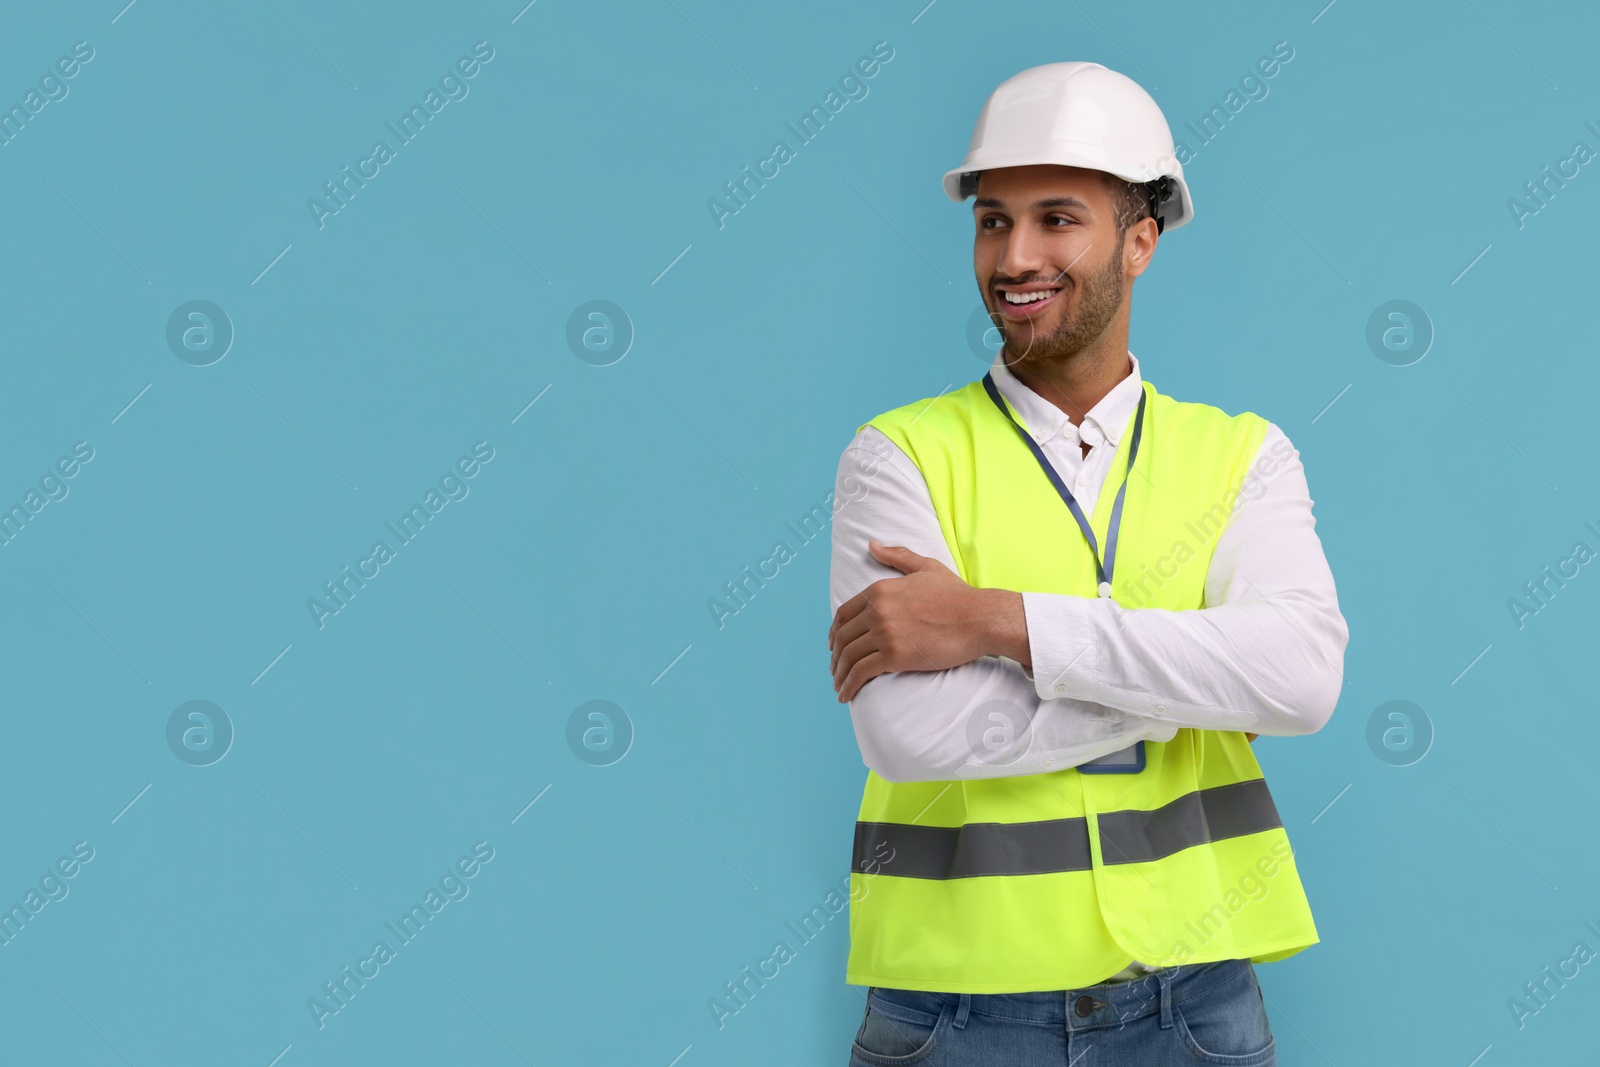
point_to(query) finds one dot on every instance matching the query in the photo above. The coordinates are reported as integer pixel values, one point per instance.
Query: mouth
(1026, 303)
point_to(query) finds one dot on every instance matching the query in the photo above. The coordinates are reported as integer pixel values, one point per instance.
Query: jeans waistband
(1094, 1007)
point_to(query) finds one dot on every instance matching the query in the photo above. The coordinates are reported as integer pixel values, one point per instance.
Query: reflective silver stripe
(1214, 814)
(973, 850)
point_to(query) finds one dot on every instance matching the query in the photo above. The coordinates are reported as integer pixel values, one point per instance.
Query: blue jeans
(1196, 1013)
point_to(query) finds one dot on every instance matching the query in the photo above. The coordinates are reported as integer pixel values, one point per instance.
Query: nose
(1022, 254)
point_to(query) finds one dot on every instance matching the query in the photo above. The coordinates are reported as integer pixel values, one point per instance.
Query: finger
(847, 634)
(896, 556)
(844, 611)
(853, 618)
(853, 651)
(843, 660)
(904, 559)
(866, 669)
(850, 609)
(847, 611)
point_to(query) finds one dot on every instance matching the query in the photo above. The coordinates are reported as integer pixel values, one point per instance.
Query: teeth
(1028, 298)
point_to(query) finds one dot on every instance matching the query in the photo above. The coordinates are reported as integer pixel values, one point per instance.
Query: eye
(1063, 219)
(983, 223)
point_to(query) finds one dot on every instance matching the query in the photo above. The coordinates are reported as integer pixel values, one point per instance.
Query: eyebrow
(1039, 205)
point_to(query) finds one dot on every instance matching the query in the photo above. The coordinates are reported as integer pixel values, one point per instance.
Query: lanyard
(1102, 572)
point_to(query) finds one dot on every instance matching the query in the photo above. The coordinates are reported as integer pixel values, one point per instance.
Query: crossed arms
(922, 656)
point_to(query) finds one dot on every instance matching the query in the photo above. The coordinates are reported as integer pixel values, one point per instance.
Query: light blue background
(428, 313)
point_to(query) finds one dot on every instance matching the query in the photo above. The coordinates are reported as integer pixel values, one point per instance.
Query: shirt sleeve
(1265, 655)
(983, 719)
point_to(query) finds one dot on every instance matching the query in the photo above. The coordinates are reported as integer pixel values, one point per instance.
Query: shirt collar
(1105, 421)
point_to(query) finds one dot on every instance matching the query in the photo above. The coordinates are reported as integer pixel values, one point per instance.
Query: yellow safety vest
(1059, 880)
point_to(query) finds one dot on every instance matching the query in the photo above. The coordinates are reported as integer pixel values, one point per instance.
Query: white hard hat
(1077, 115)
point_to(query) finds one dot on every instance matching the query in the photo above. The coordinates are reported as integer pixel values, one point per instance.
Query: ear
(1138, 246)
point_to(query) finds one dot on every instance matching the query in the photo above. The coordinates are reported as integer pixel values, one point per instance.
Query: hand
(927, 620)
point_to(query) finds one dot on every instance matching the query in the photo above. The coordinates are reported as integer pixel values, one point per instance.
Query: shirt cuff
(1061, 644)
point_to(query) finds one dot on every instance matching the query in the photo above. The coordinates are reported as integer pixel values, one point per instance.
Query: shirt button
(1049, 763)
(1161, 707)
(1061, 689)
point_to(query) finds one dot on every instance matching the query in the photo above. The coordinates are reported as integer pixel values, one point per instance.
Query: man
(1065, 604)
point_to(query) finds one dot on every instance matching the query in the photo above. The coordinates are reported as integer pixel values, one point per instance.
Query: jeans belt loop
(962, 1009)
(1165, 980)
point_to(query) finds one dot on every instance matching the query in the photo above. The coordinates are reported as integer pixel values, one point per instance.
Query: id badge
(1129, 760)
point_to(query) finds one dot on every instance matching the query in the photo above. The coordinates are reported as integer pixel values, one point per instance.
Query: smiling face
(1051, 266)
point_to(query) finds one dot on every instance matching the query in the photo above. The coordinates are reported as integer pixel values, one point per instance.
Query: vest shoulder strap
(947, 421)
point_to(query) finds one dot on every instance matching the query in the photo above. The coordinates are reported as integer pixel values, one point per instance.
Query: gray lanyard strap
(1130, 760)
(1103, 572)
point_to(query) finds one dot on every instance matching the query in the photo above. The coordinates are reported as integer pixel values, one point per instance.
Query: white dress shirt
(1265, 655)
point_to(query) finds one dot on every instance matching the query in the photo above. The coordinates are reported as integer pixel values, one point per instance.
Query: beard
(1099, 295)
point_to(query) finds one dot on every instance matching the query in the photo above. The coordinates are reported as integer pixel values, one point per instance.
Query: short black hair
(1132, 201)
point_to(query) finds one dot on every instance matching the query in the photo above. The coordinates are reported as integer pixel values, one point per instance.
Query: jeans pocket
(1227, 1024)
(899, 1031)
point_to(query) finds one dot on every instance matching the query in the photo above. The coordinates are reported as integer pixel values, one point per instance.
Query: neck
(1078, 383)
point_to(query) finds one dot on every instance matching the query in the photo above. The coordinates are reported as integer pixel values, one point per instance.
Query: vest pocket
(894, 1034)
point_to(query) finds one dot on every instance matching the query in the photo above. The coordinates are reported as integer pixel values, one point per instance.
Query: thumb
(898, 556)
